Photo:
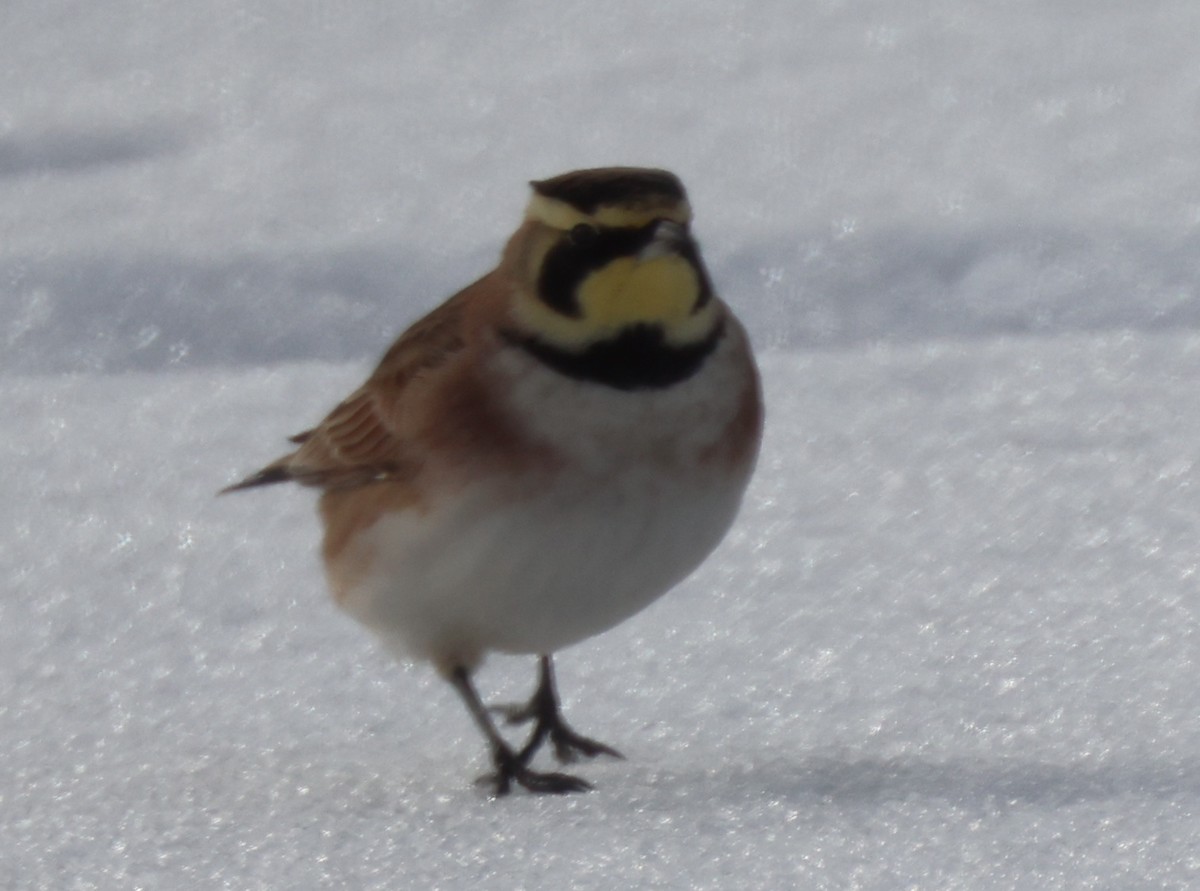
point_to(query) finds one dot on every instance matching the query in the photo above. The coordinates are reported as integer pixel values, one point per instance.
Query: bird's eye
(582, 235)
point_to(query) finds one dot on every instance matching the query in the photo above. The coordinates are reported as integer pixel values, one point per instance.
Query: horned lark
(544, 454)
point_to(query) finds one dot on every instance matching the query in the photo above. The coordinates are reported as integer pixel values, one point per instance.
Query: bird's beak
(670, 237)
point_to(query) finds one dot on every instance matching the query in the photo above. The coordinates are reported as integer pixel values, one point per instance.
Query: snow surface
(953, 640)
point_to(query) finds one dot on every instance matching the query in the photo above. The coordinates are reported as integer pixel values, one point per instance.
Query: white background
(953, 640)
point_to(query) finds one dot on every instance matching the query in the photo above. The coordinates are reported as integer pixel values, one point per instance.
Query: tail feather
(275, 473)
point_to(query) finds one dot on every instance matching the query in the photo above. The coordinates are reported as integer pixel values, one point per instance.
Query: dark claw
(569, 745)
(510, 769)
(552, 783)
(543, 710)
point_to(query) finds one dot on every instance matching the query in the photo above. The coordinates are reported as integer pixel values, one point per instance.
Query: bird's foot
(510, 768)
(543, 710)
(569, 746)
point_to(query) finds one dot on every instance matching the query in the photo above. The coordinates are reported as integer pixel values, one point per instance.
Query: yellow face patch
(625, 292)
(662, 291)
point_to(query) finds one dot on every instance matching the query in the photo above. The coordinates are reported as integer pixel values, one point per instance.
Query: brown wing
(363, 440)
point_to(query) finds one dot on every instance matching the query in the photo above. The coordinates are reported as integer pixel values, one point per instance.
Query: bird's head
(609, 281)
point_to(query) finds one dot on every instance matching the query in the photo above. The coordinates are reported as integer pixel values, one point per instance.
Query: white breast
(534, 565)
(536, 575)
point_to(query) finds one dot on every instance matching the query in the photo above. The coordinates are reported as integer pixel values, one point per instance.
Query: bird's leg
(543, 709)
(510, 766)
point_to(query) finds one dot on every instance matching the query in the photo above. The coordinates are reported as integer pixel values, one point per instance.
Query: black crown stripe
(586, 190)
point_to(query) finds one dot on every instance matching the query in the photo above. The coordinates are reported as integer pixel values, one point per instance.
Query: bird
(541, 456)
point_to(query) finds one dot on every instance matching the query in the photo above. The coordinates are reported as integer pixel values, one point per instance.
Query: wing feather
(364, 439)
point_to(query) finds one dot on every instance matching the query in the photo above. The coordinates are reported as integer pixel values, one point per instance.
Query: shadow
(904, 285)
(73, 151)
(972, 783)
(108, 313)
(113, 314)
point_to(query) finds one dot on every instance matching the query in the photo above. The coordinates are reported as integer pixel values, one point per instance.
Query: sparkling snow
(954, 639)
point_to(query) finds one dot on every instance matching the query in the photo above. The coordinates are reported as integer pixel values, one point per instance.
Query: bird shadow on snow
(965, 782)
(373, 782)
(970, 784)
